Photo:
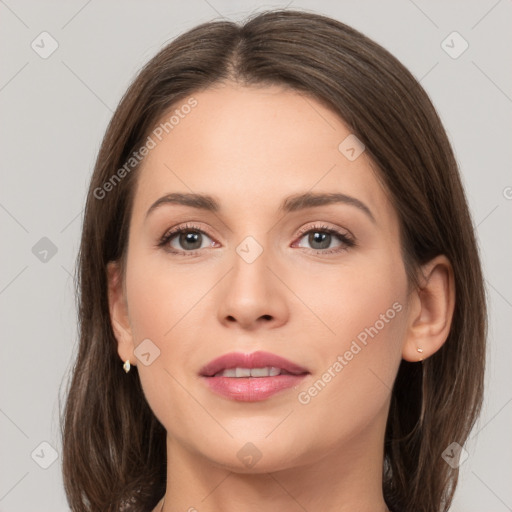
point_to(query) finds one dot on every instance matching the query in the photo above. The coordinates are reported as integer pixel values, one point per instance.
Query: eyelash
(344, 238)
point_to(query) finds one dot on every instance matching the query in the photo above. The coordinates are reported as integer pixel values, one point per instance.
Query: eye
(188, 240)
(321, 238)
(185, 240)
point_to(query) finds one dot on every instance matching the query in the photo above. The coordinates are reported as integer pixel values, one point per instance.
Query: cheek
(160, 298)
(175, 306)
(346, 300)
(161, 302)
(365, 308)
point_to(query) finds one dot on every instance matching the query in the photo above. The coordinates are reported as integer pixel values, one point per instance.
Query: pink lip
(251, 389)
(253, 360)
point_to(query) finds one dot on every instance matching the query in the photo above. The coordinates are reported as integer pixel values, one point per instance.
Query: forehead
(252, 146)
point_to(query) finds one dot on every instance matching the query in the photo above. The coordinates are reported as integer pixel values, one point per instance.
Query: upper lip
(258, 359)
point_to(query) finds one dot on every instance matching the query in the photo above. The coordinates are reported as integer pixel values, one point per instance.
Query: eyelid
(322, 226)
(346, 238)
(176, 230)
(187, 226)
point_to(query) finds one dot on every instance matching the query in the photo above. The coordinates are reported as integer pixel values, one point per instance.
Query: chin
(255, 456)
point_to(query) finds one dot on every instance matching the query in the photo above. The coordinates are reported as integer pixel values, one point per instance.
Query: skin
(250, 147)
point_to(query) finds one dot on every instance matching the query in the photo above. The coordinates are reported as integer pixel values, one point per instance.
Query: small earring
(420, 350)
(127, 366)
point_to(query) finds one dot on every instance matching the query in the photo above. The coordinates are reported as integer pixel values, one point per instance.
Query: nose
(252, 297)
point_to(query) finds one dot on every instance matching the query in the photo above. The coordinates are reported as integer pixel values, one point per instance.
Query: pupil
(322, 238)
(192, 238)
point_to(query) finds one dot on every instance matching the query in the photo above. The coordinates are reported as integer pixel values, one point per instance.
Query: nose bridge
(250, 275)
(252, 293)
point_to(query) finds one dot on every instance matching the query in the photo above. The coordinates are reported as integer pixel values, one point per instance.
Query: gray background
(54, 113)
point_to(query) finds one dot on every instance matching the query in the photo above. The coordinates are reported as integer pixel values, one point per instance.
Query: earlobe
(119, 318)
(432, 309)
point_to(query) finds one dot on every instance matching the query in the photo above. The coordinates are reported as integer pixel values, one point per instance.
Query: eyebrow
(290, 204)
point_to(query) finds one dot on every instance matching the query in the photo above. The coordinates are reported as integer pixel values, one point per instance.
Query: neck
(345, 478)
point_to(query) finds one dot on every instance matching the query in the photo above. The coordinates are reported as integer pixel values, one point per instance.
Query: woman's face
(263, 271)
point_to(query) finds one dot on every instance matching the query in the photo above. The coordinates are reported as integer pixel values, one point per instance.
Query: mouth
(237, 373)
(251, 377)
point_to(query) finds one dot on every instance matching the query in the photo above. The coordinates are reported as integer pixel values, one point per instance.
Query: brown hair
(113, 445)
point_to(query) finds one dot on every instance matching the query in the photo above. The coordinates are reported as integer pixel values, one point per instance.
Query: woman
(277, 251)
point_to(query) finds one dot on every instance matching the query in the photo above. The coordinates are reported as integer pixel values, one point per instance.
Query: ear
(119, 313)
(431, 310)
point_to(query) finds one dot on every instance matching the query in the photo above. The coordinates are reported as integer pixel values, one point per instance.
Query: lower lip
(252, 389)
